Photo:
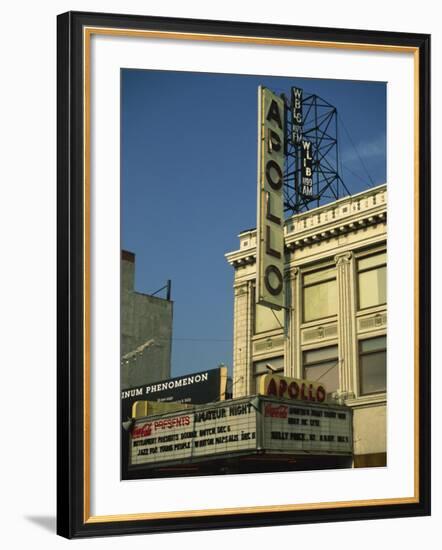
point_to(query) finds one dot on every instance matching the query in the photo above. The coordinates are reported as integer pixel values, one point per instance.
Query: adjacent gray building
(146, 331)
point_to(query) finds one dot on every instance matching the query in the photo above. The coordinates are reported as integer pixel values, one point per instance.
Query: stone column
(242, 340)
(346, 323)
(292, 331)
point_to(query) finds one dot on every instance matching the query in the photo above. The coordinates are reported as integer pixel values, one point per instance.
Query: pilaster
(242, 336)
(346, 326)
(292, 347)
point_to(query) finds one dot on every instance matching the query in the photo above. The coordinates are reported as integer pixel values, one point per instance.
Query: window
(320, 294)
(260, 368)
(372, 281)
(373, 365)
(322, 365)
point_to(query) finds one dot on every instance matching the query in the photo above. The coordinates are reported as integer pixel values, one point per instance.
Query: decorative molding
(343, 258)
(341, 396)
(367, 400)
(379, 320)
(241, 258)
(270, 343)
(322, 234)
(319, 333)
(243, 289)
(292, 273)
(243, 261)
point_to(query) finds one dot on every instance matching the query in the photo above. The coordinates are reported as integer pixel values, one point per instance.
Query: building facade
(146, 331)
(334, 327)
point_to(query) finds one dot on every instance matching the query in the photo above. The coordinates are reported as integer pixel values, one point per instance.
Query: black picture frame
(73, 515)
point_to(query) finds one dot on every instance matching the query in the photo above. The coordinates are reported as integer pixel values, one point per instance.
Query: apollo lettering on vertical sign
(297, 115)
(306, 168)
(270, 236)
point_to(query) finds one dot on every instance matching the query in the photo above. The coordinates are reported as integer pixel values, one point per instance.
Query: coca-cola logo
(276, 411)
(142, 431)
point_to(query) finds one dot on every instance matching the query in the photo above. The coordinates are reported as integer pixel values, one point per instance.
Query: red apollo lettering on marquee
(282, 387)
(271, 388)
(306, 392)
(303, 396)
(293, 390)
(321, 394)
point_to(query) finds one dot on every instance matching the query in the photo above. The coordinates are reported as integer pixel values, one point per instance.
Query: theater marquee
(209, 431)
(249, 426)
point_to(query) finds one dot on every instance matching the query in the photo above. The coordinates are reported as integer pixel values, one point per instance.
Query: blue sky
(188, 186)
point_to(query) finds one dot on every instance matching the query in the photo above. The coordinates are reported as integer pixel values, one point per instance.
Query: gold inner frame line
(87, 34)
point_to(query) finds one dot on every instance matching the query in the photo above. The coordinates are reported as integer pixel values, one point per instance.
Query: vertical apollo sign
(270, 223)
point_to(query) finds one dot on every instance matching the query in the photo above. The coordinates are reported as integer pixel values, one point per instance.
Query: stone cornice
(332, 230)
(329, 221)
(240, 258)
(367, 400)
